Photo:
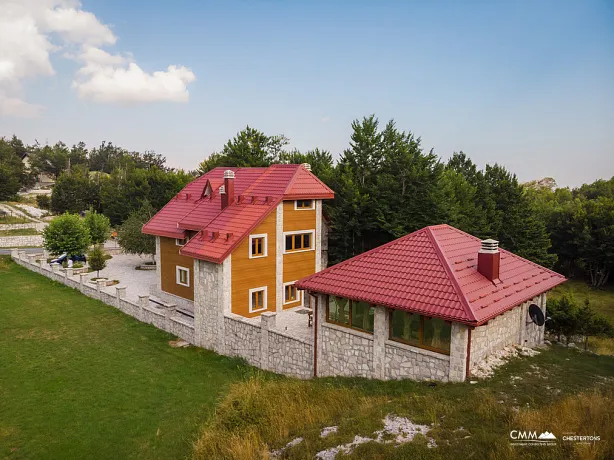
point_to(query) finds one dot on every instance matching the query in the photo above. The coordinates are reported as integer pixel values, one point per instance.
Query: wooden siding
(252, 273)
(170, 259)
(298, 265)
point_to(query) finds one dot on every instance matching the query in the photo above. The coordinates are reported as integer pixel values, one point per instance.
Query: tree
(66, 233)
(13, 174)
(51, 160)
(98, 226)
(96, 258)
(249, 147)
(74, 192)
(43, 201)
(130, 235)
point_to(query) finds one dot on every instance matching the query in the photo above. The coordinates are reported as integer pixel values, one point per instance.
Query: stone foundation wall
(21, 241)
(513, 327)
(347, 353)
(404, 361)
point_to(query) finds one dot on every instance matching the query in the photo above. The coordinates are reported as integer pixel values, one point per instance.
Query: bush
(43, 202)
(96, 259)
(98, 226)
(66, 233)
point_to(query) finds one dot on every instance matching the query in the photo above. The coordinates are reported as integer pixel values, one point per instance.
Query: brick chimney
(227, 191)
(489, 258)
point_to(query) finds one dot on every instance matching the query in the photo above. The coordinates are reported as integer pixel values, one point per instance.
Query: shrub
(43, 202)
(96, 259)
(98, 226)
(66, 233)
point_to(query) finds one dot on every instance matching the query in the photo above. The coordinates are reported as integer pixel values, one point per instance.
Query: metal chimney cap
(229, 174)
(222, 190)
(490, 246)
(307, 166)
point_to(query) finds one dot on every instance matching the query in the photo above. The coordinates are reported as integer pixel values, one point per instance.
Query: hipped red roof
(257, 192)
(433, 271)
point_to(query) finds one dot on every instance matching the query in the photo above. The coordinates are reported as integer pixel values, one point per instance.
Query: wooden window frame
(300, 232)
(301, 208)
(299, 294)
(420, 334)
(264, 299)
(265, 245)
(349, 325)
(178, 270)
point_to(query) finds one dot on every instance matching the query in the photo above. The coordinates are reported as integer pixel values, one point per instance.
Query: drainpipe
(468, 370)
(315, 336)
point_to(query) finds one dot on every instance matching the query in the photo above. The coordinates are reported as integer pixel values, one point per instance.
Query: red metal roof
(257, 193)
(433, 271)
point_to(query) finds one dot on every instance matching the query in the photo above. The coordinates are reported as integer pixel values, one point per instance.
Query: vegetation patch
(19, 232)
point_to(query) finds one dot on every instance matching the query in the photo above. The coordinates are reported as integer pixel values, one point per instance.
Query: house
(42, 179)
(428, 306)
(237, 239)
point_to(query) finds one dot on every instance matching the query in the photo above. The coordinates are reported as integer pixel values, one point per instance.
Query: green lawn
(602, 300)
(19, 232)
(79, 379)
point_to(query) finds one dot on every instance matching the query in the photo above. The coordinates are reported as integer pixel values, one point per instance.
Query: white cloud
(31, 30)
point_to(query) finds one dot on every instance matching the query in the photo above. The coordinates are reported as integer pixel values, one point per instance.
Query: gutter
(468, 369)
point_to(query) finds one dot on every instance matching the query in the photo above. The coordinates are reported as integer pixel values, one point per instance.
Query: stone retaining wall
(21, 241)
(40, 226)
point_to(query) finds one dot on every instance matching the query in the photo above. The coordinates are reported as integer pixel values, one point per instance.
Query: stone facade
(345, 352)
(513, 327)
(242, 339)
(289, 356)
(404, 361)
(21, 241)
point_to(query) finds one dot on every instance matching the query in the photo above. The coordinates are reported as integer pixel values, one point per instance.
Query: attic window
(302, 205)
(181, 241)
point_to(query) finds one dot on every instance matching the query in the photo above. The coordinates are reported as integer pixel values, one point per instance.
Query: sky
(529, 85)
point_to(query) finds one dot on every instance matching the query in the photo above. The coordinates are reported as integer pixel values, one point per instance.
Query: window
(257, 299)
(300, 205)
(417, 330)
(257, 246)
(180, 241)
(183, 276)
(350, 313)
(299, 241)
(291, 293)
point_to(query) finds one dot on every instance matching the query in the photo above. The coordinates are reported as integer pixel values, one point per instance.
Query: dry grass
(601, 346)
(583, 415)
(258, 413)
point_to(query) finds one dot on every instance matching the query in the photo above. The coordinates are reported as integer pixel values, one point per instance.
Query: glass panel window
(362, 316)
(304, 204)
(257, 300)
(258, 246)
(298, 241)
(405, 327)
(436, 334)
(290, 293)
(289, 240)
(339, 310)
(306, 240)
(183, 276)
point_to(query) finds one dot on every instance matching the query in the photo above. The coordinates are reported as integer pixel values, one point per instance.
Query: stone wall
(289, 356)
(345, 352)
(21, 241)
(242, 339)
(513, 327)
(404, 361)
(40, 226)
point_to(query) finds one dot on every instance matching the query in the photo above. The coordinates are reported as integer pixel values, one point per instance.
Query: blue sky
(526, 84)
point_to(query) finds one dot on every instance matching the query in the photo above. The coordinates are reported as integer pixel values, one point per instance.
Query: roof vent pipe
(489, 259)
(228, 196)
(307, 166)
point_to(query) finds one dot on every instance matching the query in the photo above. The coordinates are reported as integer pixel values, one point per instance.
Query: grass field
(81, 380)
(602, 300)
(19, 232)
(9, 219)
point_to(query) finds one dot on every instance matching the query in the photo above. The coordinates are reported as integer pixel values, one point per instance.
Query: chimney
(488, 259)
(307, 166)
(228, 189)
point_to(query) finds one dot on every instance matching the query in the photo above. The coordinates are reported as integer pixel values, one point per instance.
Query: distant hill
(546, 182)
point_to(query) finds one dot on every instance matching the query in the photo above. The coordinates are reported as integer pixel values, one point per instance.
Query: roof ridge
(294, 176)
(444, 262)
